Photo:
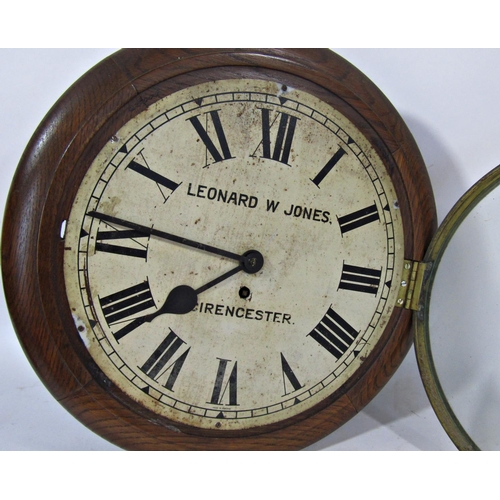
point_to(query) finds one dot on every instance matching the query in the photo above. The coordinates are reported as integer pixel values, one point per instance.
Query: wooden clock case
(54, 162)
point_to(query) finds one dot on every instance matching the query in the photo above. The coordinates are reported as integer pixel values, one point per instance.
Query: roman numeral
(218, 153)
(358, 219)
(162, 182)
(284, 136)
(289, 376)
(225, 388)
(330, 164)
(360, 279)
(120, 306)
(334, 334)
(134, 249)
(162, 360)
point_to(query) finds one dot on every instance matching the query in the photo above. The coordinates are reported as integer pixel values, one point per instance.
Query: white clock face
(233, 166)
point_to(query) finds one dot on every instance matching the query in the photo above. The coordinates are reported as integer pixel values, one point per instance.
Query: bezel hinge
(410, 287)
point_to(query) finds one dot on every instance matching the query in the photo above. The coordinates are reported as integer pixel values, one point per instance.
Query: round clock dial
(211, 245)
(162, 239)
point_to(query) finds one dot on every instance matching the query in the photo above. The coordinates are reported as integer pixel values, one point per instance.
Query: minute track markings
(254, 97)
(325, 380)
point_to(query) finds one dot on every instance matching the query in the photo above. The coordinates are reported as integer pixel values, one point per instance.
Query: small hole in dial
(62, 231)
(244, 292)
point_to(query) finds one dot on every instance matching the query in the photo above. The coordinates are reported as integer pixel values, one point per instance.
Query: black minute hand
(164, 235)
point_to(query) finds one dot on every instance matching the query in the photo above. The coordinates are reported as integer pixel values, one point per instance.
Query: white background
(450, 101)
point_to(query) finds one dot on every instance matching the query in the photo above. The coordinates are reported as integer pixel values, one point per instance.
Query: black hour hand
(183, 298)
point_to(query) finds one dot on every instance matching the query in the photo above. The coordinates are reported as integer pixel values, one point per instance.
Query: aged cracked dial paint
(237, 165)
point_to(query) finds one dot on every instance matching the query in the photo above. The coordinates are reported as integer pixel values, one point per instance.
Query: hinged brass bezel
(410, 287)
(423, 350)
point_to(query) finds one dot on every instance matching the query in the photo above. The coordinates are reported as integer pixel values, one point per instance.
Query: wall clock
(201, 275)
